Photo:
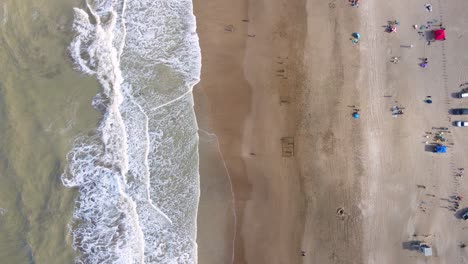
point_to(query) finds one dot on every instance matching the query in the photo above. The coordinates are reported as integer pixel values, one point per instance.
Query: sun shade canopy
(439, 34)
(440, 149)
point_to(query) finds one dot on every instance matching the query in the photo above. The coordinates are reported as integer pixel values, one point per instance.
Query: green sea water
(44, 104)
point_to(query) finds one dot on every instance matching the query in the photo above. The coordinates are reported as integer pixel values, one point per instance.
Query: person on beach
(424, 63)
(354, 3)
(428, 7)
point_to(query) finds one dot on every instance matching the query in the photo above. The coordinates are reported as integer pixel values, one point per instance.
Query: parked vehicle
(460, 111)
(463, 94)
(461, 123)
(464, 216)
(422, 247)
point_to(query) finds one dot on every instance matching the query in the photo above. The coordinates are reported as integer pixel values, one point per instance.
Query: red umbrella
(439, 34)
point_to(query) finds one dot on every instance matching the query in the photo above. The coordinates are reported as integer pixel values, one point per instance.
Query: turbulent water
(44, 104)
(137, 173)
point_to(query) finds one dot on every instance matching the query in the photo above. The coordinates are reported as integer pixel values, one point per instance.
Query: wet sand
(251, 56)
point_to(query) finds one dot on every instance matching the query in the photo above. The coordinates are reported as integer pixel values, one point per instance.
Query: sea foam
(137, 174)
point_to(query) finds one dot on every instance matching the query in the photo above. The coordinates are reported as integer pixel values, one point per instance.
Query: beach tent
(440, 149)
(439, 34)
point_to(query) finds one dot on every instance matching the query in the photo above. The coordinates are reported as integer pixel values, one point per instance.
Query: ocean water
(98, 139)
(137, 172)
(44, 104)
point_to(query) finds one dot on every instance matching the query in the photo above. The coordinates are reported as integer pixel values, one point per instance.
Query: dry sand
(397, 158)
(260, 207)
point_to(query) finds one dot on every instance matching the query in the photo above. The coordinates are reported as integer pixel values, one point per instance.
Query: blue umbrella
(355, 115)
(356, 35)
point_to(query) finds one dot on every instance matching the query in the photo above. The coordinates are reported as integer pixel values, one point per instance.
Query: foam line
(137, 178)
(147, 172)
(173, 100)
(232, 192)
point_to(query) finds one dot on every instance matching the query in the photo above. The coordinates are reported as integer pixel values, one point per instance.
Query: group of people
(354, 3)
(396, 111)
(424, 61)
(454, 205)
(456, 199)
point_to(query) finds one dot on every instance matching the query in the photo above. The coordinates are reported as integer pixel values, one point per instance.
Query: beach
(244, 132)
(245, 98)
(354, 190)
(408, 194)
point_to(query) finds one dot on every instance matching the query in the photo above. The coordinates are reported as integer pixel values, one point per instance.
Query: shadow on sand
(409, 245)
(429, 34)
(460, 213)
(429, 147)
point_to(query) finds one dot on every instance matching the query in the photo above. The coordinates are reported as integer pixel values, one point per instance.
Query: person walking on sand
(423, 64)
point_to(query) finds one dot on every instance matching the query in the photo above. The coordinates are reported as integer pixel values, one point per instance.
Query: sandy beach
(251, 60)
(407, 189)
(349, 191)
(249, 66)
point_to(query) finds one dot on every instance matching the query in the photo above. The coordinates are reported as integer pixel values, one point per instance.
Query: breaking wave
(137, 174)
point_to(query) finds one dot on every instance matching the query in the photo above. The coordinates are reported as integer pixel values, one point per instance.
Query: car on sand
(464, 216)
(460, 111)
(461, 123)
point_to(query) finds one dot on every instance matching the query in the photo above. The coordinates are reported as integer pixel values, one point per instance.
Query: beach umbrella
(429, 101)
(356, 35)
(355, 115)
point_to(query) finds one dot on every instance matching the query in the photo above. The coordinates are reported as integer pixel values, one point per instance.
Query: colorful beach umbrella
(356, 35)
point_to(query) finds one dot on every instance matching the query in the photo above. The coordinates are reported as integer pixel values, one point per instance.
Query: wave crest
(137, 175)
